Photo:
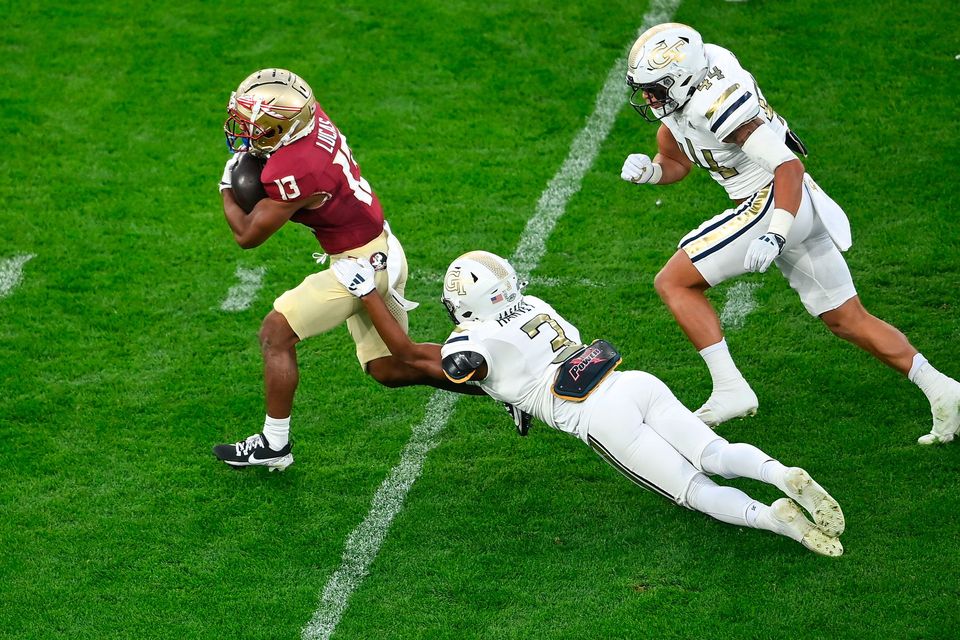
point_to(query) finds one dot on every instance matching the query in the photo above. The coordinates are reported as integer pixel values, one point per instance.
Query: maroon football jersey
(320, 162)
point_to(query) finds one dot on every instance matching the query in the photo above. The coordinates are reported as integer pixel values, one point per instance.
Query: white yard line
(241, 295)
(740, 302)
(364, 543)
(11, 273)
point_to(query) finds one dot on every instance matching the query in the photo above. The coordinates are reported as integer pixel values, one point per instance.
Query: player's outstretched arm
(358, 277)
(422, 356)
(767, 149)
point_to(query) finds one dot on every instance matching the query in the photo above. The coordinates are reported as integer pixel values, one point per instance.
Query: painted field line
(11, 272)
(740, 302)
(241, 295)
(364, 542)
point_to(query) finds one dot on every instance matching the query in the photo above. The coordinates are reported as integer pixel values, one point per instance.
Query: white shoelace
(253, 442)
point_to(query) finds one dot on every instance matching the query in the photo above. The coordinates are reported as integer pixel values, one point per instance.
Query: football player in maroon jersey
(310, 177)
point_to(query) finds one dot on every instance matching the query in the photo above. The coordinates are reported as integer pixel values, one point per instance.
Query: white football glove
(356, 275)
(226, 181)
(763, 251)
(639, 169)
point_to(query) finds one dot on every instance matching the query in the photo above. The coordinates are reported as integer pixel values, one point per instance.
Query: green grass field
(119, 371)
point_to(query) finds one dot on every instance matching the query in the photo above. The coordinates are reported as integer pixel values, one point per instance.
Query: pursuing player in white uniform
(522, 352)
(713, 115)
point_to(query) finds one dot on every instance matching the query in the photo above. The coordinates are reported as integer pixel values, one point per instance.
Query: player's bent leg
(280, 373)
(682, 288)
(852, 322)
(278, 346)
(665, 414)
(633, 448)
(742, 460)
(783, 517)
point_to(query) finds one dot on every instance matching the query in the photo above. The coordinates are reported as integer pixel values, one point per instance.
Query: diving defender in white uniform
(522, 352)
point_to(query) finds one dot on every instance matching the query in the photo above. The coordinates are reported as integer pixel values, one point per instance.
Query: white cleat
(727, 405)
(786, 518)
(814, 498)
(946, 416)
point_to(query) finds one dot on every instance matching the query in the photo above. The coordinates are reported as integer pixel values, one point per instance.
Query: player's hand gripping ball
(245, 181)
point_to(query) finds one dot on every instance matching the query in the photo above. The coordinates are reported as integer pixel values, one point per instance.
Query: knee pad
(711, 460)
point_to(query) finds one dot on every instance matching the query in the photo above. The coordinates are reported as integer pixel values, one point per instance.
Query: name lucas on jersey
(326, 134)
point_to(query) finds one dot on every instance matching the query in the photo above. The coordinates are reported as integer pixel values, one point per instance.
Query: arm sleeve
(767, 148)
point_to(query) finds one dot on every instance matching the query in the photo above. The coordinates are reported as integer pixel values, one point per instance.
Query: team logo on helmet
(453, 283)
(662, 55)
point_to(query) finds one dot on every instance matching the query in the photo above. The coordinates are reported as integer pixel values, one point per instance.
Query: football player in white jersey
(520, 351)
(712, 115)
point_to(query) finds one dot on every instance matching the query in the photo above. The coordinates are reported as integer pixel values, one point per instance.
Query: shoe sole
(787, 512)
(811, 496)
(703, 414)
(942, 414)
(273, 464)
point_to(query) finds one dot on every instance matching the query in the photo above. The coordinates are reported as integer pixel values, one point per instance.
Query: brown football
(245, 181)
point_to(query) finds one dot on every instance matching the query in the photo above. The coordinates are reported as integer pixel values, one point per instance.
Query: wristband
(657, 174)
(780, 222)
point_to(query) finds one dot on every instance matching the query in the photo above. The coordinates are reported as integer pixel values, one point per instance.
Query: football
(245, 181)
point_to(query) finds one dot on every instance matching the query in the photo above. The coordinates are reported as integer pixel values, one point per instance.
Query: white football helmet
(480, 286)
(270, 108)
(665, 65)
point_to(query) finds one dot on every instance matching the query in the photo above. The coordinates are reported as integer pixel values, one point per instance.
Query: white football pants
(637, 425)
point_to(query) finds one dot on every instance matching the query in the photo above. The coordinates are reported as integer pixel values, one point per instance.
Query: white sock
(277, 432)
(723, 371)
(918, 362)
(726, 504)
(772, 472)
(924, 375)
(737, 460)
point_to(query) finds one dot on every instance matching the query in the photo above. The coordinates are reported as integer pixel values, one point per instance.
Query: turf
(118, 370)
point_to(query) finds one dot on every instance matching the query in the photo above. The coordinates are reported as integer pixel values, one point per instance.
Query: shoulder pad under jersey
(725, 99)
(461, 365)
(293, 172)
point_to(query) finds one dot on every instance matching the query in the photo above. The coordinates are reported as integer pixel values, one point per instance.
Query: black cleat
(254, 451)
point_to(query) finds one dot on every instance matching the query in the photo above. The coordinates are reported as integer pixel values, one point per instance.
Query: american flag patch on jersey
(497, 298)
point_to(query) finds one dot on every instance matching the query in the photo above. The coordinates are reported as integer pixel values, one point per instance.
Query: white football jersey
(727, 98)
(523, 348)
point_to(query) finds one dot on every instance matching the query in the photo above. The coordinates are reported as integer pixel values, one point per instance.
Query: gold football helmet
(270, 108)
